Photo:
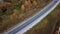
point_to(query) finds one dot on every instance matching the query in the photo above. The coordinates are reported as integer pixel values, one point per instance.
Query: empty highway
(32, 21)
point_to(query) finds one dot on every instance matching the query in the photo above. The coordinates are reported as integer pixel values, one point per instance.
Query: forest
(49, 25)
(14, 11)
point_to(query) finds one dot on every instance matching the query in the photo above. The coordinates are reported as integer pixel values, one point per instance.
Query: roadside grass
(47, 25)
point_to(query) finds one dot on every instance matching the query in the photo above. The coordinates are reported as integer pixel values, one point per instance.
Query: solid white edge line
(36, 21)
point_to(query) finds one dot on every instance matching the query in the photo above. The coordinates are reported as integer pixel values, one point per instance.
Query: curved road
(29, 23)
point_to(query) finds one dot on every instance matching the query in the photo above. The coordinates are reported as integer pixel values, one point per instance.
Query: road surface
(29, 23)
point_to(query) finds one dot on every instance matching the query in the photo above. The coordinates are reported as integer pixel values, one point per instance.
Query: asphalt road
(29, 23)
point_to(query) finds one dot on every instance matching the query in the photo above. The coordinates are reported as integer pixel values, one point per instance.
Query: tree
(22, 8)
(34, 3)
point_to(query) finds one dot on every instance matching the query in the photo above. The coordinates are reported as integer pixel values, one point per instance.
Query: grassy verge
(47, 25)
